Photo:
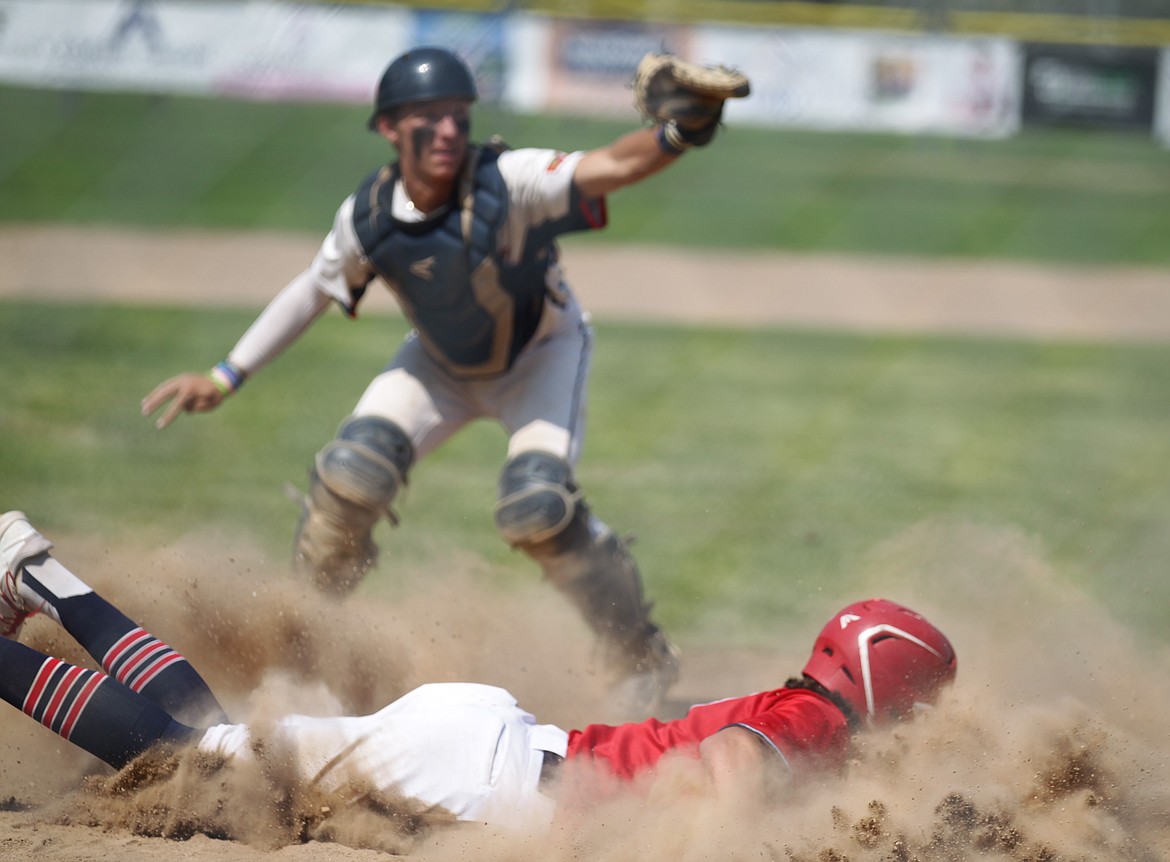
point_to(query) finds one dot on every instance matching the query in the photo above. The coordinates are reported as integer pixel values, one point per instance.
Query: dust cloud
(1052, 745)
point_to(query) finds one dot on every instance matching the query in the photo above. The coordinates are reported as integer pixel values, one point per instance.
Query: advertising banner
(303, 51)
(113, 45)
(1087, 85)
(591, 63)
(802, 77)
(833, 80)
(254, 49)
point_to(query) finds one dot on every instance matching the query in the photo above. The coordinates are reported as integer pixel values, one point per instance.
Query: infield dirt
(668, 284)
(1053, 745)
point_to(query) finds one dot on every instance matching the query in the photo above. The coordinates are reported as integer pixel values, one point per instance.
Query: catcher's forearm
(288, 315)
(632, 157)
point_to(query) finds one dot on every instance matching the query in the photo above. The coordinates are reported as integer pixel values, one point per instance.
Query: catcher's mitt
(685, 99)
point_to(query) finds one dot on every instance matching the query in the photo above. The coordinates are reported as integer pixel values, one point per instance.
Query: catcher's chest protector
(445, 273)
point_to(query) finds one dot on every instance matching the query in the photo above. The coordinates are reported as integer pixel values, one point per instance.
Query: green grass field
(1047, 195)
(756, 467)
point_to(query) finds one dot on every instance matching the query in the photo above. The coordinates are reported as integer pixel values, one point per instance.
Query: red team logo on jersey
(558, 159)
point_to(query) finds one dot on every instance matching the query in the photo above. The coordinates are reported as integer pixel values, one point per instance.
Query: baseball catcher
(465, 237)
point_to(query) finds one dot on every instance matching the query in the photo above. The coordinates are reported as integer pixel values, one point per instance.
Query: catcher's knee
(537, 499)
(366, 464)
(354, 480)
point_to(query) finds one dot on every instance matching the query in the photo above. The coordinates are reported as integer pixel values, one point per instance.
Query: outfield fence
(842, 68)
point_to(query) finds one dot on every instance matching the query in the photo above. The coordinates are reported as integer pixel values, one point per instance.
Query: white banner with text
(265, 49)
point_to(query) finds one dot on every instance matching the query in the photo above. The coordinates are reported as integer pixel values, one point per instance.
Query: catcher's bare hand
(685, 99)
(187, 393)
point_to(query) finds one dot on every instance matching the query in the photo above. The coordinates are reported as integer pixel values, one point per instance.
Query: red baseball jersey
(800, 725)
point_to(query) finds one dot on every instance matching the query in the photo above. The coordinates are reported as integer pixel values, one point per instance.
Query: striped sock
(129, 654)
(83, 706)
(59, 695)
(137, 658)
(143, 663)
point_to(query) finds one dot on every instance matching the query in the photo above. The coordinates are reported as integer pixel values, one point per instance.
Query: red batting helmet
(882, 658)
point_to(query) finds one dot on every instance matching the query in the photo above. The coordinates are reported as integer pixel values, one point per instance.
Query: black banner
(1087, 85)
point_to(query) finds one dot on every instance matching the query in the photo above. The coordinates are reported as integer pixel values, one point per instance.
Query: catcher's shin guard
(542, 513)
(352, 483)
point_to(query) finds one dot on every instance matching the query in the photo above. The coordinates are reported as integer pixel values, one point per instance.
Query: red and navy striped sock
(84, 706)
(139, 660)
(143, 663)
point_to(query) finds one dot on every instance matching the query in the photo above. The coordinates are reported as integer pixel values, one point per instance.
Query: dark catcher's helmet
(422, 75)
(882, 658)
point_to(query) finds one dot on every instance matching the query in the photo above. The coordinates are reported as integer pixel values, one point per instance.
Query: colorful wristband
(669, 140)
(226, 377)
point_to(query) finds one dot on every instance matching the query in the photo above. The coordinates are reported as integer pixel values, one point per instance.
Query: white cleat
(19, 542)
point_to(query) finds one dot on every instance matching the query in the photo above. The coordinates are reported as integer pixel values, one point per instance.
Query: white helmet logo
(846, 619)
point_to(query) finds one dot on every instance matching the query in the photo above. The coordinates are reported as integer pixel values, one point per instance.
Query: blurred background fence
(971, 68)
